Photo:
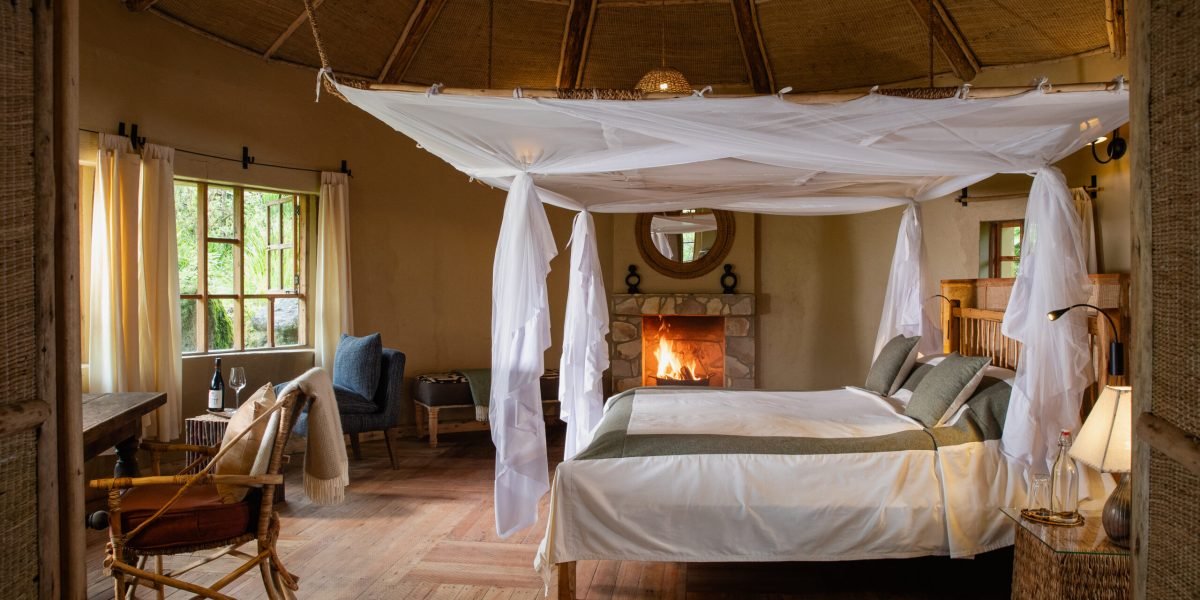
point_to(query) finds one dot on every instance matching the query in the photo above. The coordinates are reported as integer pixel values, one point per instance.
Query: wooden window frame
(299, 246)
(995, 259)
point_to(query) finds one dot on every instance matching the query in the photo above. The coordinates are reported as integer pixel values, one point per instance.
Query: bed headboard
(971, 322)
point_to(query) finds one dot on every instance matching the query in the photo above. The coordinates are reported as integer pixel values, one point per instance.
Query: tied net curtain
(129, 280)
(761, 154)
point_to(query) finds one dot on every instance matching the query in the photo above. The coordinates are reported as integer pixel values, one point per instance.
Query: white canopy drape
(761, 154)
(1052, 372)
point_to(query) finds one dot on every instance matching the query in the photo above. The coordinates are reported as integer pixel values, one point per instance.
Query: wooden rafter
(1114, 21)
(949, 39)
(577, 33)
(287, 33)
(139, 5)
(745, 17)
(418, 26)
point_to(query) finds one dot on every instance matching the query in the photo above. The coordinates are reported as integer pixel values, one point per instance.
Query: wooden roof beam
(419, 24)
(745, 17)
(287, 33)
(577, 34)
(139, 5)
(949, 39)
(1114, 22)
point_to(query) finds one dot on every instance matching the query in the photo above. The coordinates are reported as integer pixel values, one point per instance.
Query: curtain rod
(797, 97)
(245, 160)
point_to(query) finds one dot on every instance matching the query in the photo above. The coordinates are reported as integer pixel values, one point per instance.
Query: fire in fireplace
(683, 350)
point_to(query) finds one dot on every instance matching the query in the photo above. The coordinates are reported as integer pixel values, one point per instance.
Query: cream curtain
(331, 293)
(1087, 227)
(129, 264)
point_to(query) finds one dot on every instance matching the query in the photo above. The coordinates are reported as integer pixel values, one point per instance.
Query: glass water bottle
(1064, 496)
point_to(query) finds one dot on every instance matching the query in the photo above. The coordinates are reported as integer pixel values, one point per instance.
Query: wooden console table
(115, 421)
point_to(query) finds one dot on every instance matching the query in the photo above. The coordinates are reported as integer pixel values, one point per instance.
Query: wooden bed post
(566, 581)
(953, 327)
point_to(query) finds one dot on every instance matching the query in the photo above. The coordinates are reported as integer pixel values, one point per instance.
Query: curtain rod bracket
(247, 160)
(345, 169)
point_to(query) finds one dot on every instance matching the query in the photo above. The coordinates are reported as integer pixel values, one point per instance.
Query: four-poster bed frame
(972, 314)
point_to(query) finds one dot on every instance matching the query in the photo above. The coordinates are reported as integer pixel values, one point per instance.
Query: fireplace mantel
(626, 312)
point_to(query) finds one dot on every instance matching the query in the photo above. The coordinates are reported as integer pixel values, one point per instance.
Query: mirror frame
(680, 270)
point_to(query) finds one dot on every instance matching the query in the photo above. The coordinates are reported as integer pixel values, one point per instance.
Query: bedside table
(1067, 562)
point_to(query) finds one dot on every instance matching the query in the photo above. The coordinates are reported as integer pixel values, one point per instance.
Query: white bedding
(733, 507)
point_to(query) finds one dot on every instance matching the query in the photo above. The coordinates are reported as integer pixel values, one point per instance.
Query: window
(241, 267)
(1003, 247)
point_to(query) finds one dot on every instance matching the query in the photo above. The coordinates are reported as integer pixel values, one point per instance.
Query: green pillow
(892, 365)
(945, 388)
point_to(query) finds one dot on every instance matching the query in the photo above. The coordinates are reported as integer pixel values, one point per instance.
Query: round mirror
(685, 243)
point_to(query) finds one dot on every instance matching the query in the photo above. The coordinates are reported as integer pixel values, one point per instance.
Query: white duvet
(778, 507)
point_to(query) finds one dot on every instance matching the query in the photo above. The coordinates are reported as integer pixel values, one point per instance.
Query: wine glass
(237, 381)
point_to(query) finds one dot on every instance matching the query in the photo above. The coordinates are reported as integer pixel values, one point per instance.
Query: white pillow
(902, 396)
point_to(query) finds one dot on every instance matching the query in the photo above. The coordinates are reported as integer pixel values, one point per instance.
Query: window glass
(186, 203)
(239, 267)
(221, 219)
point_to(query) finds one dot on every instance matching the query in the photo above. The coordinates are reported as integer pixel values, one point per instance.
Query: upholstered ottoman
(437, 391)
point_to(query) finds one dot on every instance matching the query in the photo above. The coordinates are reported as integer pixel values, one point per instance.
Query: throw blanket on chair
(480, 381)
(326, 468)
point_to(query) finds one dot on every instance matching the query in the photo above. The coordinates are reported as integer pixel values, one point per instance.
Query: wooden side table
(1067, 563)
(208, 430)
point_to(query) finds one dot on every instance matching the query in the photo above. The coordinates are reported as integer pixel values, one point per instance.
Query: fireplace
(683, 350)
(706, 339)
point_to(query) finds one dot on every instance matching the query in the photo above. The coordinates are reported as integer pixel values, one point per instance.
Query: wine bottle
(1064, 495)
(216, 390)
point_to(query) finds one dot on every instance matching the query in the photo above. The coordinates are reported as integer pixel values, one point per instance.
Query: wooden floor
(426, 531)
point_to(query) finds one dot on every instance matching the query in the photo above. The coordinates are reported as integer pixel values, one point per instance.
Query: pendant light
(664, 79)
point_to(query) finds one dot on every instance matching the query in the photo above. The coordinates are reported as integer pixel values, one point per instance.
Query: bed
(685, 475)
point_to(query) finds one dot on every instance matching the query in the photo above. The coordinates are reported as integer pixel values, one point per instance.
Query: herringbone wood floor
(425, 531)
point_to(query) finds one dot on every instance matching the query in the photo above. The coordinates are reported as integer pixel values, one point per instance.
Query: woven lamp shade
(664, 79)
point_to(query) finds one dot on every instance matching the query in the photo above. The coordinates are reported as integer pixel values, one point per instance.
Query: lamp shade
(664, 79)
(1106, 438)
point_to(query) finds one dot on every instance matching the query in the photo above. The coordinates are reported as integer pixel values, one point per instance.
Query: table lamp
(1105, 444)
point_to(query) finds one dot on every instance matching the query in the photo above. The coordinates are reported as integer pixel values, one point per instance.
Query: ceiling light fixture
(664, 79)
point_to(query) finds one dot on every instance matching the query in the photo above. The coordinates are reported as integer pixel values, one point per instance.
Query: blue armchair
(380, 412)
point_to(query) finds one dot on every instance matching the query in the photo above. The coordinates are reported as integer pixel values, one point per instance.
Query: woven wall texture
(1174, 511)
(810, 45)
(18, 349)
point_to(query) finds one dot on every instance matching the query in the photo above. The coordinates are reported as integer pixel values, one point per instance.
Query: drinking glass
(1039, 492)
(237, 381)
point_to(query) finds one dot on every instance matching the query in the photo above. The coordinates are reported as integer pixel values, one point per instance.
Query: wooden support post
(577, 33)
(745, 18)
(287, 33)
(1162, 435)
(139, 5)
(948, 38)
(1114, 25)
(418, 26)
(566, 581)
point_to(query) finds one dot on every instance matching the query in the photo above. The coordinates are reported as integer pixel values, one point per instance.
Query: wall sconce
(1115, 149)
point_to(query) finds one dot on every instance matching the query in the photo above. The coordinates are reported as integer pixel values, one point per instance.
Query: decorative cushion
(357, 363)
(198, 517)
(945, 387)
(892, 365)
(239, 460)
(351, 403)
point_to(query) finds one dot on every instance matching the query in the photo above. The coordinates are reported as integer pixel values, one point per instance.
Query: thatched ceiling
(733, 45)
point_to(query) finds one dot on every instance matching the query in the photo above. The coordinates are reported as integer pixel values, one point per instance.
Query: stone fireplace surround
(627, 311)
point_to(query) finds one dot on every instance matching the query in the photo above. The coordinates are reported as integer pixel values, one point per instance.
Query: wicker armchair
(177, 514)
